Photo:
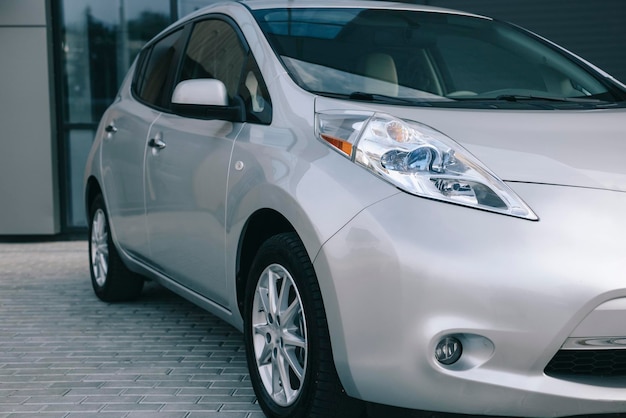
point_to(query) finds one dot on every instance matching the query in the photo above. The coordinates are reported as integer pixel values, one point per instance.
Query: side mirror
(205, 98)
(201, 92)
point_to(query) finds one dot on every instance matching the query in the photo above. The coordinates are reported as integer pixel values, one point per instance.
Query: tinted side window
(253, 91)
(157, 67)
(215, 51)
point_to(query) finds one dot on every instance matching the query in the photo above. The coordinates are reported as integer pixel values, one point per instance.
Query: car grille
(601, 363)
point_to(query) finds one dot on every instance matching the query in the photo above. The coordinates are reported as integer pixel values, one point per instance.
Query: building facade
(63, 60)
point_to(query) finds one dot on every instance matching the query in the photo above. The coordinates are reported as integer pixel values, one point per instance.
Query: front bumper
(408, 271)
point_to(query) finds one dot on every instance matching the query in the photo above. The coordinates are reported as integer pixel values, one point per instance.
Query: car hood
(582, 148)
(574, 148)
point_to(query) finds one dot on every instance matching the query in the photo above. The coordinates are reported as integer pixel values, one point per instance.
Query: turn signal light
(342, 146)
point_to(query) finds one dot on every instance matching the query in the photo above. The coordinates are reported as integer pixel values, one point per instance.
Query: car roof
(369, 4)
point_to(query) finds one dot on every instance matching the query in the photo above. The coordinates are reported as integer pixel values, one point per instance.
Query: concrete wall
(29, 192)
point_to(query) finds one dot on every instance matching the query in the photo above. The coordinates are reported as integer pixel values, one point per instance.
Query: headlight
(418, 160)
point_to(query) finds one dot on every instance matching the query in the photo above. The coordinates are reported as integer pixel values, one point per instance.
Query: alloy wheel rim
(279, 335)
(99, 247)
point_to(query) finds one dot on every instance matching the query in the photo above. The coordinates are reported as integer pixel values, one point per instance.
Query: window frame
(139, 76)
(175, 72)
(248, 56)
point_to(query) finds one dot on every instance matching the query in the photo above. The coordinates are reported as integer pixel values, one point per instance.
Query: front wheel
(286, 334)
(112, 281)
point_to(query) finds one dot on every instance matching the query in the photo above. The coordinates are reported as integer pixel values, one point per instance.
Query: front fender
(312, 187)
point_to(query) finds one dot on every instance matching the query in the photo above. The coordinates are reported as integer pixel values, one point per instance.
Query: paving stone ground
(66, 354)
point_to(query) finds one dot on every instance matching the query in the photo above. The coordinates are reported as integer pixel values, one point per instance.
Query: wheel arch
(92, 189)
(260, 226)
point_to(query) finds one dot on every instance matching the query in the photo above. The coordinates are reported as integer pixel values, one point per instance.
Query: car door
(127, 124)
(187, 166)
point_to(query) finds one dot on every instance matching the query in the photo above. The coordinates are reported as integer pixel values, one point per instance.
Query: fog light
(448, 351)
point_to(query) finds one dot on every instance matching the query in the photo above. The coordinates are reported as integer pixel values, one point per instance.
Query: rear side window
(157, 66)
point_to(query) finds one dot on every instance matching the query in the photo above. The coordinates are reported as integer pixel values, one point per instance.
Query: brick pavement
(66, 354)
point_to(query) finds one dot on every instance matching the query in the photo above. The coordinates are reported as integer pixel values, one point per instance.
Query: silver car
(396, 204)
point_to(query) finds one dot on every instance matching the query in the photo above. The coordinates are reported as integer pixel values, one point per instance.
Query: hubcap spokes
(279, 335)
(99, 248)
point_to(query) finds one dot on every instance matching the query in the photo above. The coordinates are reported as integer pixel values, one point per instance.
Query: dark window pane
(479, 66)
(255, 95)
(153, 87)
(215, 51)
(78, 146)
(100, 42)
(422, 55)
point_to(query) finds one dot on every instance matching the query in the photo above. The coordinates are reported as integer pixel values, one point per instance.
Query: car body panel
(285, 169)
(397, 272)
(388, 5)
(533, 283)
(184, 194)
(122, 155)
(529, 146)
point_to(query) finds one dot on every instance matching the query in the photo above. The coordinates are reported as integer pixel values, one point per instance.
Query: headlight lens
(419, 160)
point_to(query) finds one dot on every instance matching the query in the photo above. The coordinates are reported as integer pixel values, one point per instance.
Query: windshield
(431, 57)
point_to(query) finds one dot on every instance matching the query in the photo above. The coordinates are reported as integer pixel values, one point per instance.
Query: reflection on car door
(185, 200)
(123, 149)
(127, 124)
(187, 163)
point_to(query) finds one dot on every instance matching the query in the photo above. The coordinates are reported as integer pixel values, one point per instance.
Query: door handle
(109, 130)
(156, 143)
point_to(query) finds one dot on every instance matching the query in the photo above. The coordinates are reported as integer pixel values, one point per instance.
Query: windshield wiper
(381, 98)
(530, 97)
(376, 98)
(538, 100)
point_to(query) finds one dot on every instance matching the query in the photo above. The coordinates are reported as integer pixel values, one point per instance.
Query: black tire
(296, 338)
(112, 281)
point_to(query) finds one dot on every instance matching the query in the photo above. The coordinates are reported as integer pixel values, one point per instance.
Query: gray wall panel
(22, 12)
(28, 189)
